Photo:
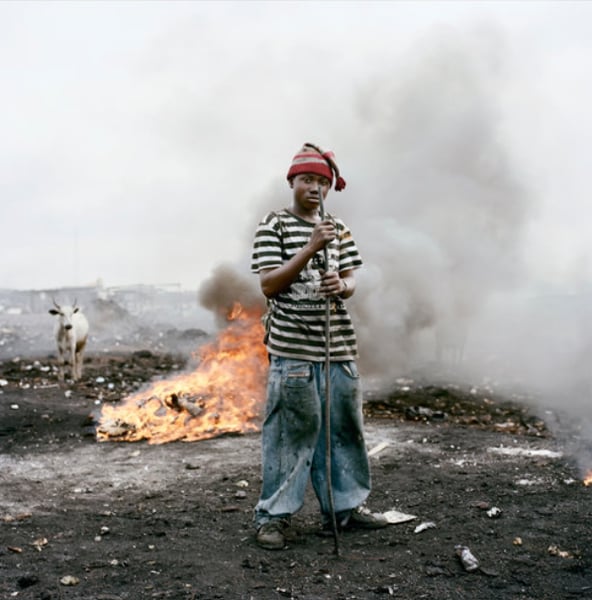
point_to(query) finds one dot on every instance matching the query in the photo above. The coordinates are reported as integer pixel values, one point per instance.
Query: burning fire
(223, 395)
(588, 478)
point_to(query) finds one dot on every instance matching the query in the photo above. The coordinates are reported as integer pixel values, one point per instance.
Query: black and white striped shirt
(297, 315)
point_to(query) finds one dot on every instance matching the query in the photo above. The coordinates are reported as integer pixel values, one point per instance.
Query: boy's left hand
(331, 284)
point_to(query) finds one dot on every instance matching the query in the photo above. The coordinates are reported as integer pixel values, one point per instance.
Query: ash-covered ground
(475, 466)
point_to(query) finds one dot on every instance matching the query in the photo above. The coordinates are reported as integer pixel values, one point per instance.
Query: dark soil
(106, 521)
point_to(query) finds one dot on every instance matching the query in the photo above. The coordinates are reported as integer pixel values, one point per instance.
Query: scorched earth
(118, 520)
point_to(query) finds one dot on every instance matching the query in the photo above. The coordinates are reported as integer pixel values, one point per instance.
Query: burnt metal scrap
(115, 428)
(179, 402)
(194, 405)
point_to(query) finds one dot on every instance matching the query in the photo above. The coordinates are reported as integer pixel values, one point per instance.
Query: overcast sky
(141, 141)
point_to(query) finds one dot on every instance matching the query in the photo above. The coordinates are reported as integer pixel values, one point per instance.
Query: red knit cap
(311, 159)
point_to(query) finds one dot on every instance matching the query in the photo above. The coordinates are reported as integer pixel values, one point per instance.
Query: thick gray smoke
(439, 209)
(443, 210)
(225, 287)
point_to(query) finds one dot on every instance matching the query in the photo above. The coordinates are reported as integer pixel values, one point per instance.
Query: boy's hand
(323, 233)
(331, 284)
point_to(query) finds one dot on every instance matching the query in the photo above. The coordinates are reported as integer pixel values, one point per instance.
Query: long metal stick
(328, 469)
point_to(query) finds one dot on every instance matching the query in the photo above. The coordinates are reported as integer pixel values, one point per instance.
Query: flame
(588, 478)
(223, 395)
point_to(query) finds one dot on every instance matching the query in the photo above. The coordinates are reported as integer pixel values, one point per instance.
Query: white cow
(71, 332)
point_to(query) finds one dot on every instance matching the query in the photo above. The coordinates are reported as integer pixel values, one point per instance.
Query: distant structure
(146, 302)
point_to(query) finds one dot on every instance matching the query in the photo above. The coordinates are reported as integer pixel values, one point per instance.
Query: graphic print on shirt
(307, 286)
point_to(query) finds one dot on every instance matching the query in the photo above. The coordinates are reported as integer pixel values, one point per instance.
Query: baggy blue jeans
(293, 439)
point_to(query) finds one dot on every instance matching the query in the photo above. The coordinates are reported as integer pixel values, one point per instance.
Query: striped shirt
(297, 321)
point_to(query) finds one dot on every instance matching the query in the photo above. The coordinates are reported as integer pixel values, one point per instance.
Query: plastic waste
(467, 558)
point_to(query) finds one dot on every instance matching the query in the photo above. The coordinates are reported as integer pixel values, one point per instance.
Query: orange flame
(588, 478)
(223, 395)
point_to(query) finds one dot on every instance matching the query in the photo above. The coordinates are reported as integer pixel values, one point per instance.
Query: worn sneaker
(363, 518)
(272, 535)
(357, 518)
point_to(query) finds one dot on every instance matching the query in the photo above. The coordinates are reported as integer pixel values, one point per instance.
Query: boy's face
(306, 190)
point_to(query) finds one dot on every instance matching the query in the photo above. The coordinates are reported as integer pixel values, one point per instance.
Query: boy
(288, 255)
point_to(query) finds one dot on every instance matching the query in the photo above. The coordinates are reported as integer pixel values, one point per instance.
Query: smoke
(224, 288)
(441, 216)
(440, 209)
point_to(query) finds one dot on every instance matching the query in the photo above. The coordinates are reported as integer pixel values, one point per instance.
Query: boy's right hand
(323, 233)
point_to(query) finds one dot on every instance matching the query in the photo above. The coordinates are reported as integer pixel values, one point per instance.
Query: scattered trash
(466, 557)
(394, 516)
(194, 405)
(19, 517)
(517, 541)
(39, 543)
(417, 413)
(554, 550)
(494, 512)
(69, 580)
(378, 448)
(529, 452)
(423, 526)
(14, 407)
(115, 427)
(526, 482)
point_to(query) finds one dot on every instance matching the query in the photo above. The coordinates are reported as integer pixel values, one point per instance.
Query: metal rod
(328, 468)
